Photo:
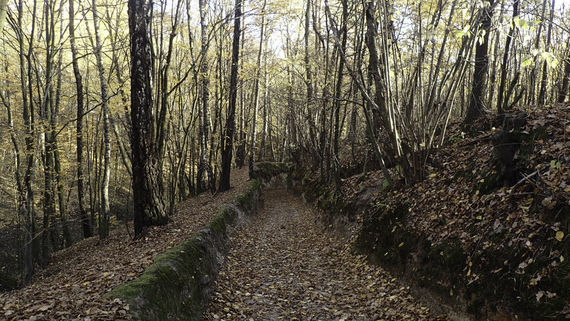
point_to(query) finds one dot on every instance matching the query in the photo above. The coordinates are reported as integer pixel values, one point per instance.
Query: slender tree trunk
(85, 224)
(543, 81)
(500, 105)
(228, 136)
(476, 106)
(493, 76)
(262, 145)
(3, 11)
(57, 159)
(566, 81)
(31, 247)
(148, 202)
(105, 206)
(256, 94)
(49, 234)
(204, 110)
(309, 75)
(532, 89)
(338, 93)
(379, 116)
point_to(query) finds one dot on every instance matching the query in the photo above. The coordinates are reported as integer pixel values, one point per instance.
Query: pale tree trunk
(566, 80)
(3, 11)
(57, 159)
(204, 109)
(49, 234)
(85, 224)
(105, 206)
(256, 94)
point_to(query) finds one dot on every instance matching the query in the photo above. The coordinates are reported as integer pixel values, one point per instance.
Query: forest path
(284, 266)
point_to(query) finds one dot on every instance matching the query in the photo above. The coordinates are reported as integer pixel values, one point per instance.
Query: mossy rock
(173, 287)
(266, 170)
(177, 285)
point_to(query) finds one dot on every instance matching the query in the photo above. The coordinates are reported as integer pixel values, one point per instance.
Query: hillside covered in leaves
(484, 229)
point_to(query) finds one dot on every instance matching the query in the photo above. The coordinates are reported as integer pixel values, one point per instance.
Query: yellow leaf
(401, 244)
(559, 236)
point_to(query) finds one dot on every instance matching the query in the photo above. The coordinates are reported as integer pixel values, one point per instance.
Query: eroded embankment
(177, 285)
(486, 231)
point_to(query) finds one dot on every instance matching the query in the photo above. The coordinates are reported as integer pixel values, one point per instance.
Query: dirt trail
(282, 265)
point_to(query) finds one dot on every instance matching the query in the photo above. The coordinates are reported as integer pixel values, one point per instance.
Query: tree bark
(338, 93)
(378, 114)
(3, 11)
(204, 110)
(105, 206)
(565, 82)
(500, 105)
(85, 224)
(256, 94)
(543, 81)
(476, 110)
(147, 194)
(31, 247)
(228, 137)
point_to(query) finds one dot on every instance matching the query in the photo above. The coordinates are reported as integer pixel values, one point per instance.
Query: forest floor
(284, 265)
(72, 285)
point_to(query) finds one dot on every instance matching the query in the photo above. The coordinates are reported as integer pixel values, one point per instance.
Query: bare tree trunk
(493, 76)
(56, 156)
(532, 90)
(105, 206)
(87, 232)
(566, 81)
(476, 106)
(503, 81)
(543, 81)
(379, 116)
(309, 74)
(262, 145)
(256, 94)
(228, 137)
(31, 247)
(49, 234)
(3, 10)
(338, 93)
(204, 109)
(147, 195)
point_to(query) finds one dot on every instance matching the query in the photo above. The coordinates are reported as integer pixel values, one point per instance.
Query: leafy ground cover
(507, 239)
(72, 285)
(284, 265)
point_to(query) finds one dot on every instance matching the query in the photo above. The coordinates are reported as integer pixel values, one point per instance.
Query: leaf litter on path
(284, 265)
